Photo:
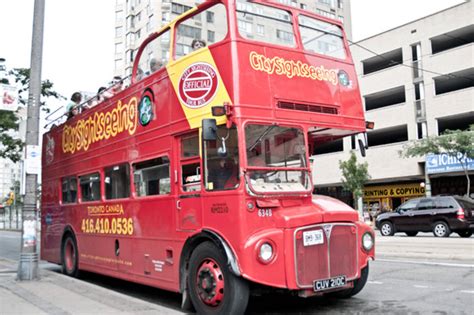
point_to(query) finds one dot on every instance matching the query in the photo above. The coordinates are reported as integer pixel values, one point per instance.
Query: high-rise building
(136, 19)
(416, 80)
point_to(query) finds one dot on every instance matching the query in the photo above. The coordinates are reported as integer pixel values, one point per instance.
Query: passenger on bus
(99, 98)
(155, 65)
(198, 43)
(117, 86)
(72, 108)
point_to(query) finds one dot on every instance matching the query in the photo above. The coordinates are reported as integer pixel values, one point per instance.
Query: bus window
(321, 37)
(209, 26)
(265, 24)
(281, 148)
(190, 146)
(90, 187)
(222, 160)
(152, 177)
(155, 56)
(69, 190)
(191, 177)
(117, 182)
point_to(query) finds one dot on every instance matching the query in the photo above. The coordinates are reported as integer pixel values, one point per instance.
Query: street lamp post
(28, 266)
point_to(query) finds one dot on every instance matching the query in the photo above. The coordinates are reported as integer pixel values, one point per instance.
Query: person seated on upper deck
(117, 86)
(72, 108)
(155, 65)
(99, 98)
(198, 43)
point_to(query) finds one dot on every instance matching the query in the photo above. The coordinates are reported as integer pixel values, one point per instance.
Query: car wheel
(441, 229)
(69, 257)
(213, 289)
(358, 285)
(465, 233)
(386, 229)
(411, 233)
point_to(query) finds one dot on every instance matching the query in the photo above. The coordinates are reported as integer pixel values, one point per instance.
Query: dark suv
(440, 214)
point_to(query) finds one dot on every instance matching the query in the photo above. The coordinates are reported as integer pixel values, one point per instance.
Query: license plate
(313, 237)
(331, 283)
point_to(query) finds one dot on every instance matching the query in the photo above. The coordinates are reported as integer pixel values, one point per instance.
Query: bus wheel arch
(212, 287)
(190, 245)
(69, 253)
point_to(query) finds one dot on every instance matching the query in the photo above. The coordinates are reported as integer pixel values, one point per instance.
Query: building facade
(136, 19)
(416, 80)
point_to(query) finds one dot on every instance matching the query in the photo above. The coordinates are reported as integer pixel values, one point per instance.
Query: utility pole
(28, 267)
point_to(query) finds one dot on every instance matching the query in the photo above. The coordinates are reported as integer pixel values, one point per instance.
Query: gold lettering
(123, 117)
(290, 68)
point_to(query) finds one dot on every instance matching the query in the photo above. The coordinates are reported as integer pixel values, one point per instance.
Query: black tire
(441, 229)
(465, 233)
(213, 289)
(70, 257)
(358, 285)
(411, 233)
(386, 228)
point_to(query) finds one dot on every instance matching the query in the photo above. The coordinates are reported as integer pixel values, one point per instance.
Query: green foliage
(22, 78)
(456, 143)
(451, 142)
(10, 147)
(354, 176)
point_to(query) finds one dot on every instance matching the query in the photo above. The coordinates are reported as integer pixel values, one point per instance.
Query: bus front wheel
(70, 257)
(358, 285)
(213, 289)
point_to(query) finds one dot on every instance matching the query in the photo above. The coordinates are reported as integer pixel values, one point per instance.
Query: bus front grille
(337, 255)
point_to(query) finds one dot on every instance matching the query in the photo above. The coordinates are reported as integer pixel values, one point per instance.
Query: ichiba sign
(198, 85)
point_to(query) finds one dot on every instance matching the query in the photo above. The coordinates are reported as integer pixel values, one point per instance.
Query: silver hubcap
(440, 230)
(386, 229)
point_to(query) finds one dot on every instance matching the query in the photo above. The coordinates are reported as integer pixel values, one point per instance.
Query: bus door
(188, 199)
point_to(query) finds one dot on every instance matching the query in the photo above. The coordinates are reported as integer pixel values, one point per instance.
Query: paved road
(412, 275)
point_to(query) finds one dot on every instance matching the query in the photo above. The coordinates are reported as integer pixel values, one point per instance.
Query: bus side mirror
(209, 130)
(362, 147)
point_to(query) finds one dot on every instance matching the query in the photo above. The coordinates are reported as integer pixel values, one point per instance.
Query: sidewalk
(57, 294)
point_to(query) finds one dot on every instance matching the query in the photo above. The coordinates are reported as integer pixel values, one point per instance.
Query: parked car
(440, 214)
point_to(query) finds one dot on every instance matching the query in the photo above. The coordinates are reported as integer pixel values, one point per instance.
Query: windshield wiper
(264, 133)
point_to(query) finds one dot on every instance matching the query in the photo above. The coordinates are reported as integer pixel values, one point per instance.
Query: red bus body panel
(152, 245)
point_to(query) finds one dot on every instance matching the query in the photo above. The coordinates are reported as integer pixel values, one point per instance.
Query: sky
(78, 47)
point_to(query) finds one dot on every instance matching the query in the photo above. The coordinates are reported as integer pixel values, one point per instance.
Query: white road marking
(374, 282)
(421, 286)
(466, 291)
(431, 263)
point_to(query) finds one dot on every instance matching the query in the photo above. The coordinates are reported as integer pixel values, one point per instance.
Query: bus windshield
(271, 25)
(321, 37)
(276, 158)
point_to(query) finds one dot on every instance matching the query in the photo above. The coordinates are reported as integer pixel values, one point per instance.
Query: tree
(354, 176)
(10, 147)
(456, 143)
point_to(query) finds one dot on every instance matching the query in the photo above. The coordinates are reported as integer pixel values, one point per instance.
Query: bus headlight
(367, 241)
(265, 253)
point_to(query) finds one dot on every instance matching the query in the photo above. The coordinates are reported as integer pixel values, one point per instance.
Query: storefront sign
(444, 163)
(409, 190)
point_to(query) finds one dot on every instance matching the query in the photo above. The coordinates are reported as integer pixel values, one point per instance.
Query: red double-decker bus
(196, 178)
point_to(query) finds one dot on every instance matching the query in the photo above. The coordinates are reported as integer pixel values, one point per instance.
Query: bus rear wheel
(213, 289)
(70, 257)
